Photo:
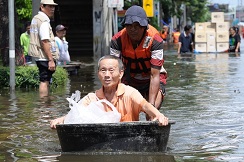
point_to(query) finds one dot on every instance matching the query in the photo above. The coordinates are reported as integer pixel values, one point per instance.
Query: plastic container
(126, 136)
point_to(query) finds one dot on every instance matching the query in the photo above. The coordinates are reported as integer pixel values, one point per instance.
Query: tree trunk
(4, 36)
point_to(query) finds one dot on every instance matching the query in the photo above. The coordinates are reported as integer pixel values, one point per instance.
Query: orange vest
(176, 36)
(138, 60)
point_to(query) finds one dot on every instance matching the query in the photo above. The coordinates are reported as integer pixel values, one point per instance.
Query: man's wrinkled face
(135, 31)
(109, 73)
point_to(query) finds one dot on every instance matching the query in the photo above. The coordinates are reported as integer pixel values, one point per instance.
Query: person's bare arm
(179, 48)
(192, 46)
(154, 85)
(47, 49)
(237, 46)
(152, 111)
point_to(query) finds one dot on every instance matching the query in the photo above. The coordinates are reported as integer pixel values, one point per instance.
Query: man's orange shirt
(128, 102)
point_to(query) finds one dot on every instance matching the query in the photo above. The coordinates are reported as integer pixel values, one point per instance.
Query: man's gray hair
(121, 65)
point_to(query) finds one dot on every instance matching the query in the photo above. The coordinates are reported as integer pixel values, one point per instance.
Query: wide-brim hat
(135, 14)
(48, 2)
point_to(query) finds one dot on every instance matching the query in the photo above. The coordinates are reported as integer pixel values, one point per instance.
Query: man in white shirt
(42, 44)
(64, 57)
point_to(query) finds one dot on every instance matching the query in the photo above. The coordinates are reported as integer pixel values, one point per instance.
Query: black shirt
(185, 43)
(233, 40)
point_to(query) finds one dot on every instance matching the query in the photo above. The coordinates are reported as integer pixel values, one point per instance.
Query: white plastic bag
(73, 117)
(93, 113)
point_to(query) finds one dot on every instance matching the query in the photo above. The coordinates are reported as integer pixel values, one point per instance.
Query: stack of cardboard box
(212, 36)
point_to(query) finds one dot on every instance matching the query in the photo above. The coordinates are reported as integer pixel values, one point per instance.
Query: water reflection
(208, 104)
(109, 157)
(204, 97)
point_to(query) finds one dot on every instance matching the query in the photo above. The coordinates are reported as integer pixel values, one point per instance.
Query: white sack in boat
(93, 113)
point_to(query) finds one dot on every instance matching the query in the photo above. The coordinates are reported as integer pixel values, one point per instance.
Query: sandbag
(93, 113)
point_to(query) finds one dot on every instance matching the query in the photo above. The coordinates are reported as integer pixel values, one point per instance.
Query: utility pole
(11, 44)
(184, 15)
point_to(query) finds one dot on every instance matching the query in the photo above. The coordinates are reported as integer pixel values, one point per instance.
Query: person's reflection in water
(234, 54)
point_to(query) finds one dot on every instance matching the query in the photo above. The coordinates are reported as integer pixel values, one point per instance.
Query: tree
(4, 36)
(197, 10)
(24, 10)
(129, 3)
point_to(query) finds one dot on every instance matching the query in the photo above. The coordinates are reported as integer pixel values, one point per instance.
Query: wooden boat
(146, 136)
(73, 66)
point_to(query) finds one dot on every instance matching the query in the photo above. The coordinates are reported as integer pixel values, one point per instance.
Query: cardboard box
(211, 47)
(211, 37)
(200, 37)
(222, 47)
(199, 27)
(210, 27)
(217, 17)
(222, 37)
(222, 26)
(201, 47)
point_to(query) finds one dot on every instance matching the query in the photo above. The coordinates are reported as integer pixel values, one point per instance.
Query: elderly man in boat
(126, 99)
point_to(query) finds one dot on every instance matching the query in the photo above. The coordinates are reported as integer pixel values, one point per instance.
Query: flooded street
(204, 98)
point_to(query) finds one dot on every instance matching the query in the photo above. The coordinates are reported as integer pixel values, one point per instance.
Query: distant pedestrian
(185, 41)
(164, 33)
(25, 41)
(234, 40)
(42, 44)
(64, 57)
(175, 36)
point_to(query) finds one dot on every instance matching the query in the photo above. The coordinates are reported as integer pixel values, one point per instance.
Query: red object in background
(242, 31)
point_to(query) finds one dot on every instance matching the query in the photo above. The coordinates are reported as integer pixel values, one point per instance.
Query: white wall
(102, 27)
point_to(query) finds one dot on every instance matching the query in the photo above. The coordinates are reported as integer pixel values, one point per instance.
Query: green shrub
(28, 77)
(4, 77)
(60, 77)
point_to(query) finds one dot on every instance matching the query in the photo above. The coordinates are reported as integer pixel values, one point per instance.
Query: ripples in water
(204, 97)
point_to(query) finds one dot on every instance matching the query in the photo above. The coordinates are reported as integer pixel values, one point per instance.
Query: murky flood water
(204, 97)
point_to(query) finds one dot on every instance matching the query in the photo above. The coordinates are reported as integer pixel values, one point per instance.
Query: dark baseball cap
(135, 14)
(60, 27)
